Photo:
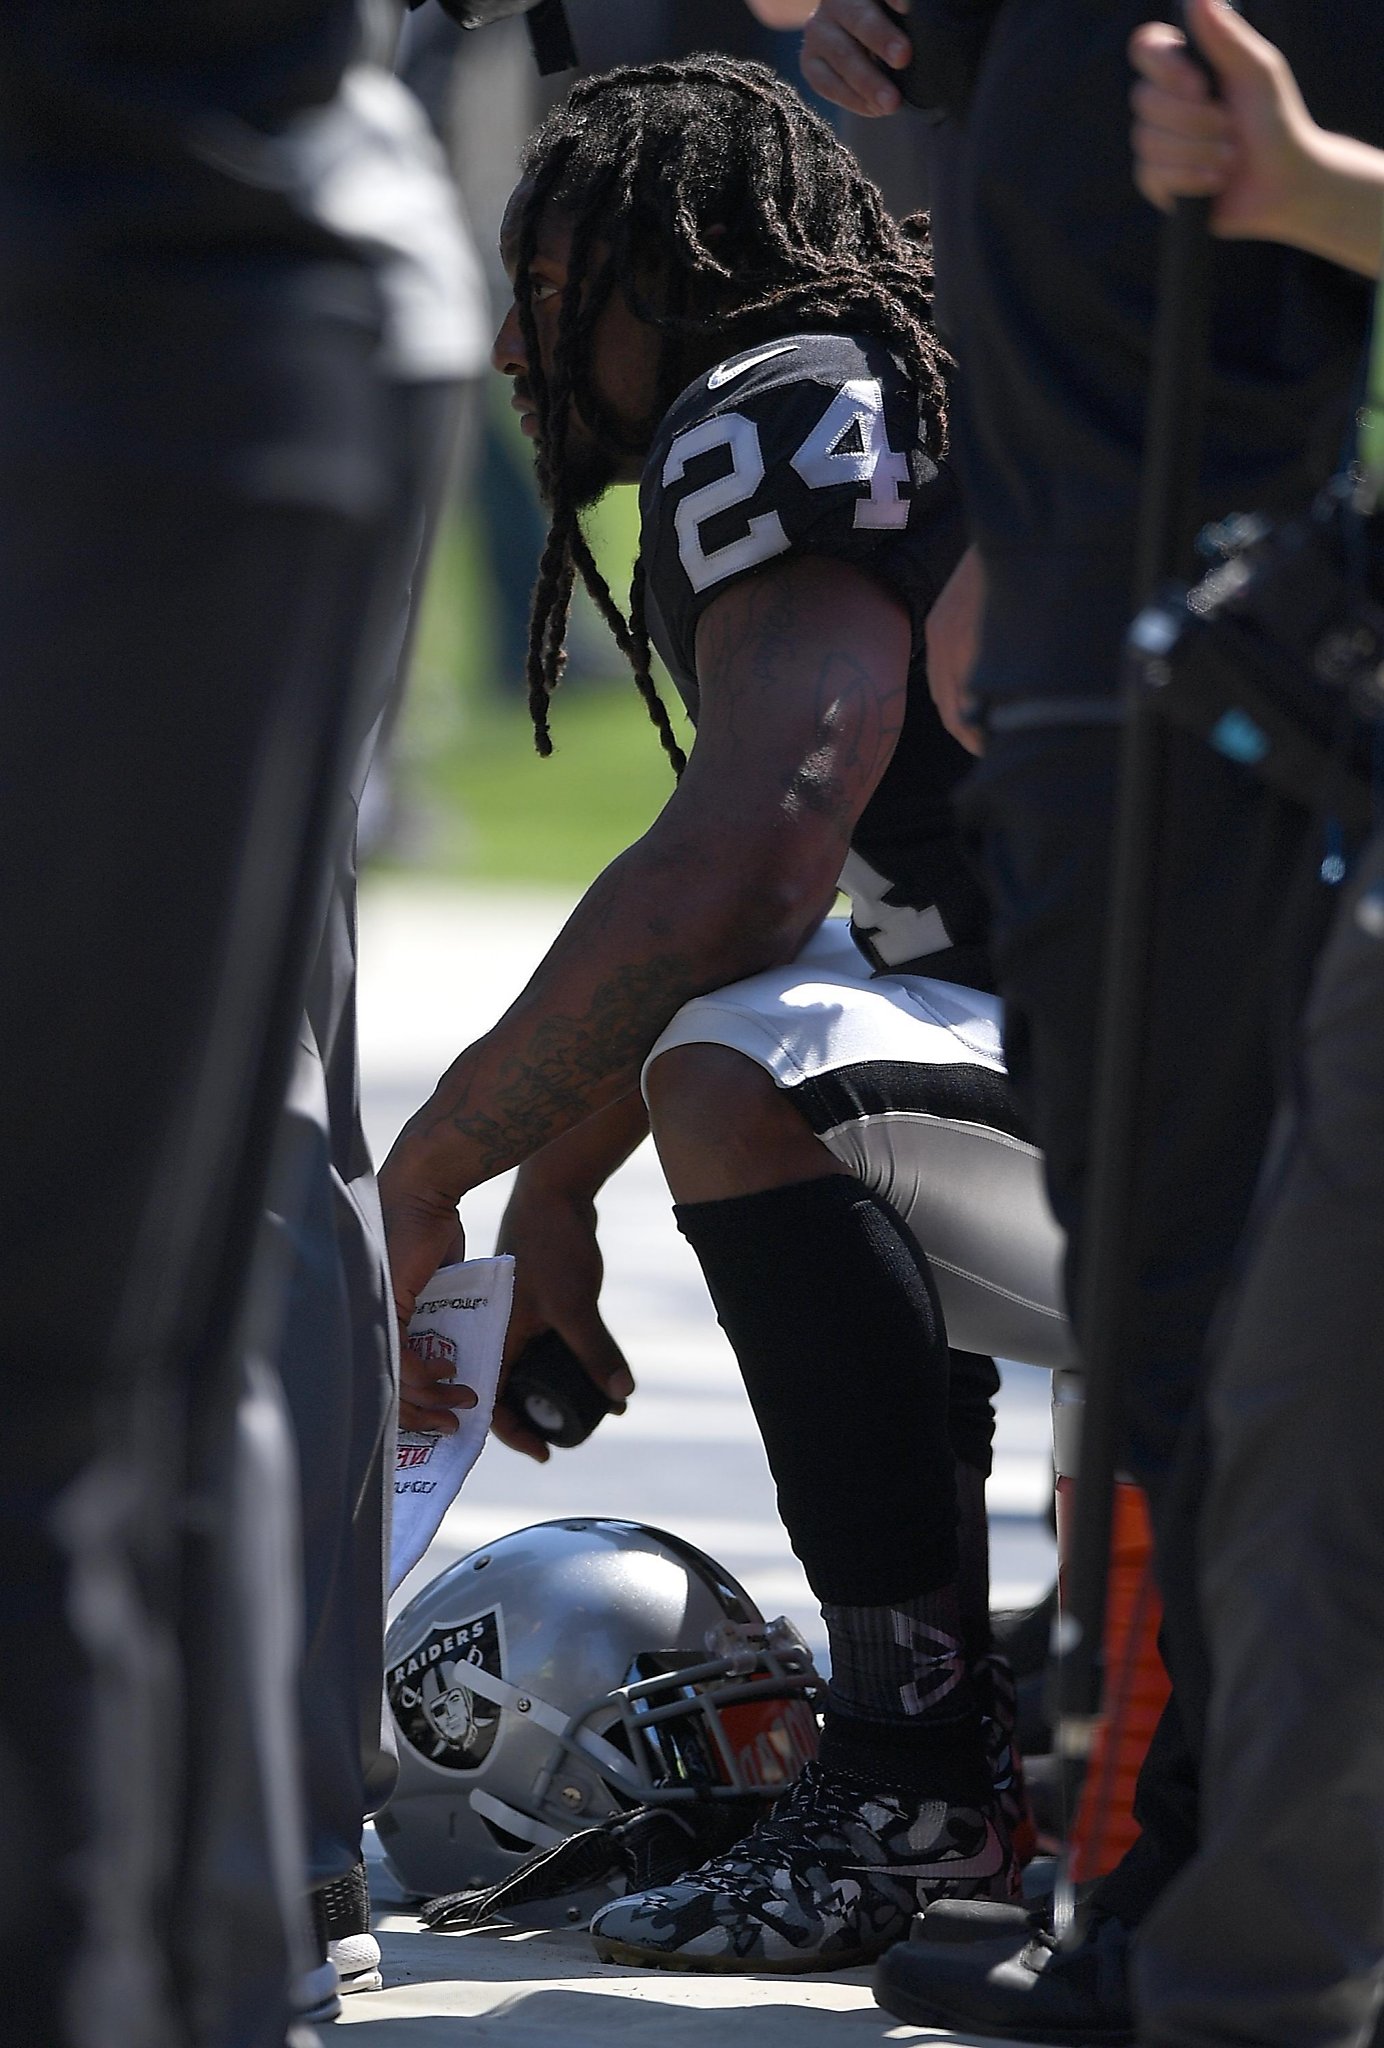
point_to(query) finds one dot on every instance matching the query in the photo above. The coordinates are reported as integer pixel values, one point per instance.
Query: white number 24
(821, 462)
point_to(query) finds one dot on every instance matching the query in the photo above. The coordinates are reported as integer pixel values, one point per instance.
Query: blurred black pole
(551, 36)
(1167, 524)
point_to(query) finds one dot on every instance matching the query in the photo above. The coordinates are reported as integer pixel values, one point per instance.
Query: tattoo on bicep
(561, 1078)
(769, 650)
(855, 735)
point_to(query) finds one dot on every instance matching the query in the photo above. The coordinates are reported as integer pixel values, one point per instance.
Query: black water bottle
(552, 1393)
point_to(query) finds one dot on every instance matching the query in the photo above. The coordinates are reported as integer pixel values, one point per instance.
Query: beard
(593, 461)
(589, 468)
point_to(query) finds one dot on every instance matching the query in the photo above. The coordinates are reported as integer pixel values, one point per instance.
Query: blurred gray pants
(1274, 1934)
(339, 1365)
(338, 1357)
(181, 616)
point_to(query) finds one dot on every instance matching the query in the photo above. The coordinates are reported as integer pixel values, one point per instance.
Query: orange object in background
(1136, 1685)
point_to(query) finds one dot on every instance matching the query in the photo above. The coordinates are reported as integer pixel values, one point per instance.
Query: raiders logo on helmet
(437, 1712)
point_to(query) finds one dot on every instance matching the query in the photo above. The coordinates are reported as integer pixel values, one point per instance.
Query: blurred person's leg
(192, 462)
(338, 1355)
(1275, 1932)
(1047, 265)
(199, 463)
(338, 1362)
(1240, 907)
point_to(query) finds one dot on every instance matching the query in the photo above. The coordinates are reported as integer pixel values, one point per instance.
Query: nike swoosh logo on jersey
(727, 371)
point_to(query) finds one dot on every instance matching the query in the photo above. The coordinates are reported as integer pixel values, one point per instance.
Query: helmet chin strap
(523, 1825)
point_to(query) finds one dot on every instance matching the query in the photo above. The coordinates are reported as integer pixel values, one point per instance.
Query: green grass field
(479, 802)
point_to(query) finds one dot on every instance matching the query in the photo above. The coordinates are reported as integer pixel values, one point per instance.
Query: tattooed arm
(802, 673)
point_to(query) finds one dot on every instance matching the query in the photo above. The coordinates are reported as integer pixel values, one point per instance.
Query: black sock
(901, 1709)
(832, 1314)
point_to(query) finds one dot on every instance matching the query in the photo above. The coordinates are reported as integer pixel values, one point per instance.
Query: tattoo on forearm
(560, 1079)
(803, 730)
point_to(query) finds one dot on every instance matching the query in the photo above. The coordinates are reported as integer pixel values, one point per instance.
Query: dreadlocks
(648, 161)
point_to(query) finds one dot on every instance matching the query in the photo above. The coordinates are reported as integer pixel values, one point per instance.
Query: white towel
(462, 1316)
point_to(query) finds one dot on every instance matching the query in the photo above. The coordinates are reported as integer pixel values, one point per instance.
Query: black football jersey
(812, 445)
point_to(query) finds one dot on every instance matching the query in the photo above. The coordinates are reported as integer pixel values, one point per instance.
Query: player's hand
(428, 1397)
(840, 44)
(422, 1232)
(558, 1271)
(953, 642)
(1248, 151)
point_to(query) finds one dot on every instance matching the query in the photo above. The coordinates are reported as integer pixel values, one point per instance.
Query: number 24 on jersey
(823, 461)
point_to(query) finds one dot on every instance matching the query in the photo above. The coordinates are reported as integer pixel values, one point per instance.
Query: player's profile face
(623, 353)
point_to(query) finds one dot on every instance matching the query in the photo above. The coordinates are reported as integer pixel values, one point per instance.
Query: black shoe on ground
(1040, 1992)
(972, 1920)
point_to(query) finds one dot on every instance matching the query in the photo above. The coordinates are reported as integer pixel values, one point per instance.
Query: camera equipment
(948, 38)
(552, 1393)
(1276, 657)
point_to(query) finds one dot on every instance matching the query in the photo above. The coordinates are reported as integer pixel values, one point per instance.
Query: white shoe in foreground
(357, 1960)
(341, 1919)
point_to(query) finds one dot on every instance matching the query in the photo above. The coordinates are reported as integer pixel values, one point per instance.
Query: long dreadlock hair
(648, 160)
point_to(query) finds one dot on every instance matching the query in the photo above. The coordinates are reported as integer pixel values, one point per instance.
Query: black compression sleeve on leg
(975, 1381)
(831, 1311)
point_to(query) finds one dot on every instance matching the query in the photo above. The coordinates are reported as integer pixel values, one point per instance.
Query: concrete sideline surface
(546, 1990)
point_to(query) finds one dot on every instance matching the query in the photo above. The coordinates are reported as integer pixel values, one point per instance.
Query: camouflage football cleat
(993, 1678)
(832, 1878)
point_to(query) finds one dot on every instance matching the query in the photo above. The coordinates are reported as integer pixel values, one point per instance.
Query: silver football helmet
(567, 1673)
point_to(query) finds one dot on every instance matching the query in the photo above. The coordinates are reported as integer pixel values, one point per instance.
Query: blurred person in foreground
(212, 474)
(1047, 267)
(711, 300)
(384, 187)
(1275, 1931)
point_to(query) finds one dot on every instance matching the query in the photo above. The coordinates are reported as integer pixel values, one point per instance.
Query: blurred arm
(1271, 173)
